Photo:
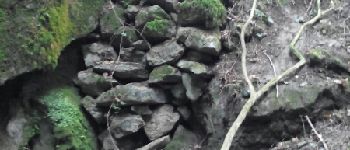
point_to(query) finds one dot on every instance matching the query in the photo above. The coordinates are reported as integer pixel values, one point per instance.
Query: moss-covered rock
(71, 129)
(211, 13)
(164, 74)
(33, 33)
(325, 59)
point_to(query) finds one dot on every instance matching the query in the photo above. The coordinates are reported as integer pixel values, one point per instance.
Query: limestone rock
(125, 124)
(164, 74)
(200, 40)
(94, 84)
(162, 121)
(123, 70)
(166, 53)
(97, 52)
(132, 94)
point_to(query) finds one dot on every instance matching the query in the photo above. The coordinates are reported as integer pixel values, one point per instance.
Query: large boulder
(130, 71)
(125, 124)
(96, 52)
(161, 122)
(166, 53)
(208, 13)
(132, 94)
(94, 84)
(164, 74)
(204, 41)
(33, 33)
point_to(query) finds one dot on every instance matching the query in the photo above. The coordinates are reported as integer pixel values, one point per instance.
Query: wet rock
(150, 13)
(132, 55)
(185, 113)
(194, 68)
(130, 71)
(179, 93)
(193, 86)
(210, 14)
(167, 5)
(141, 110)
(94, 84)
(200, 40)
(164, 74)
(183, 139)
(161, 122)
(97, 52)
(166, 53)
(156, 144)
(90, 106)
(107, 141)
(132, 94)
(141, 45)
(125, 124)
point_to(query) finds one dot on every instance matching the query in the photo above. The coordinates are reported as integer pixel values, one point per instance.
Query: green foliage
(158, 25)
(69, 122)
(213, 10)
(53, 34)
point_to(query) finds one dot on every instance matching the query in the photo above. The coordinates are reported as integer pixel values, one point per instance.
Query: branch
(256, 95)
(319, 136)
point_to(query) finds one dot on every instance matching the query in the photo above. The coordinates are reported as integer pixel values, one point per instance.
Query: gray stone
(159, 30)
(166, 53)
(193, 86)
(183, 139)
(164, 74)
(141, 45)
(141, 110)
(161, 122)
(111, 20)
(167, 5)
(200, 40)
(132, 94)
(200, 57)
(125, 124)
(96, 52)
(132, 55)
(156, 144)
(124, 36)
(184, 112)
(123, 70)
(150, 13)
(179, 93)
(90, 106)
(107, 141)
(94, 84)
(195, 68)
(132, 11)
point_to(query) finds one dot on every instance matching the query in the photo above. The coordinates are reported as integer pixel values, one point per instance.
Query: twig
(256, 95)
(273, 68)
(319, 136)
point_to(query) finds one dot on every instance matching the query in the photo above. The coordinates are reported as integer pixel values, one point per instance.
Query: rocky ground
(163, 74)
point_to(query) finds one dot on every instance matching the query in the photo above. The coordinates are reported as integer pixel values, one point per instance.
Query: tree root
(255, 95)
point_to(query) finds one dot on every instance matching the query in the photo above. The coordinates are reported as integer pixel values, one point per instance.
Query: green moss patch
(158, 25)
(69, 123)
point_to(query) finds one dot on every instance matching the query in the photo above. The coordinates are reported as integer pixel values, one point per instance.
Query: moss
(213, 10)
(317, 54)
(158, 25)
(69, 123)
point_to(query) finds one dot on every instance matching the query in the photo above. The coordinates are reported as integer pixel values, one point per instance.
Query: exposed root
(256, 95)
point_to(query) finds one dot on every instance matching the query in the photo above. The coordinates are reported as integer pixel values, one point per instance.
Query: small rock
(132, 94)
(194, 68)
(167, 5)
(183, 139)
(141, 45)
(132, 55)
(156, 144)
(164, 74)
(141, 110)
(184, 112)
(179, 92)
(123, 70)
(161, 122)
(132, 11)
(125, 124)
(90, 106)
(96, 52)
(193, 86)
(166, 53)
(94, 84)
(200, 57)
(200, 40)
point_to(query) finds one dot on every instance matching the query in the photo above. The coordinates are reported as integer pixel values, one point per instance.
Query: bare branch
(319, 136)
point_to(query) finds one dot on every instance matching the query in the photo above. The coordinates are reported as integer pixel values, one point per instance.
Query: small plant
(158, 25)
